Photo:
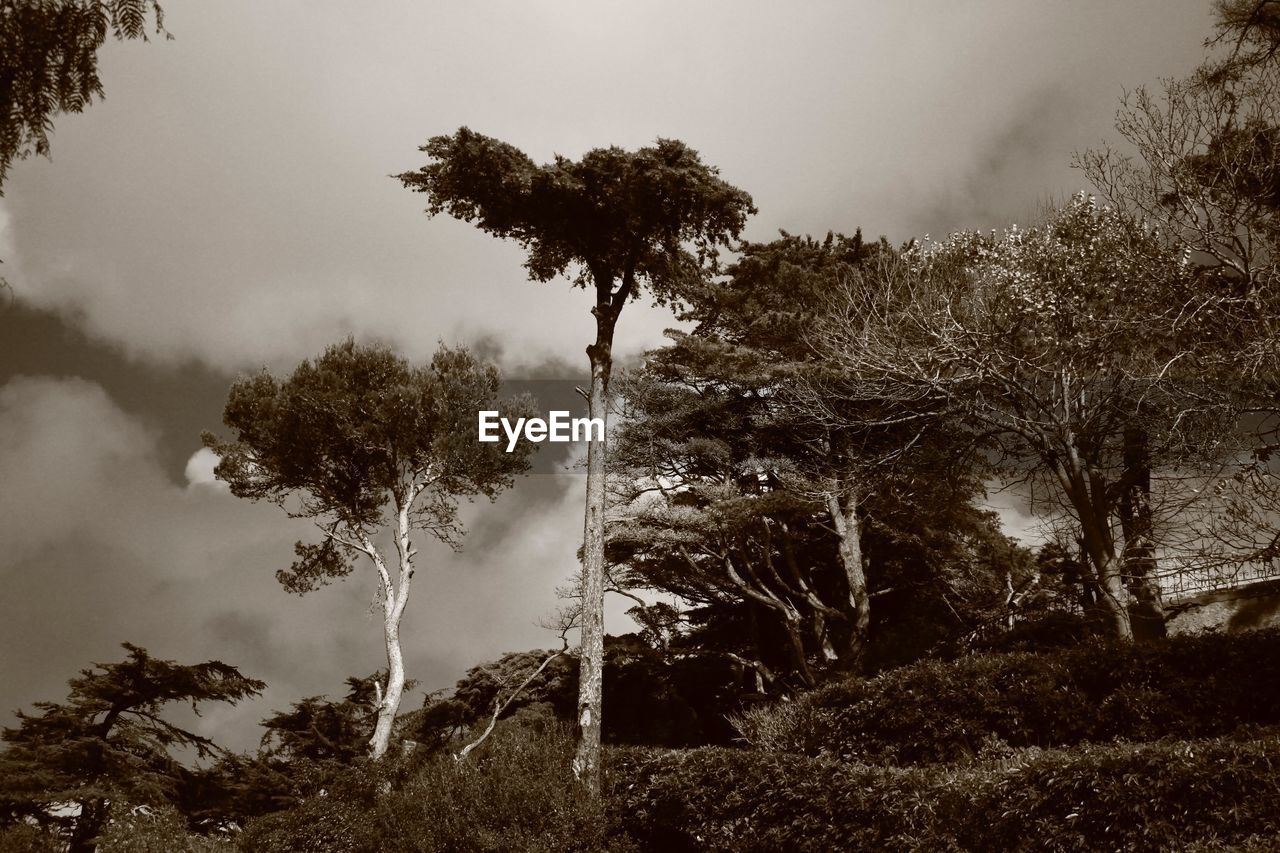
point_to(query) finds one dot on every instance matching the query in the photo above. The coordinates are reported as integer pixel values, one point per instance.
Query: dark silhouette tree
(49, 62)
(109, 744)
(363, 443)
(617, 222)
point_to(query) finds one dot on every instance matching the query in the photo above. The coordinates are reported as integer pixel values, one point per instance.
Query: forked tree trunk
(586, 761)
(1088, 494)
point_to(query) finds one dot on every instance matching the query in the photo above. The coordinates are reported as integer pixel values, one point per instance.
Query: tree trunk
(586, 761)
(1138, 528)
(88, 824)
(390, 704)
(1114, 606)
(1087, 492)
(844, 518)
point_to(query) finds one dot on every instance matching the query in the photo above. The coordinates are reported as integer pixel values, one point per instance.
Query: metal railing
(1185, 582)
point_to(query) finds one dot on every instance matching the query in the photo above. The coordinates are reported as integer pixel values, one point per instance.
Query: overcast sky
(228, 206)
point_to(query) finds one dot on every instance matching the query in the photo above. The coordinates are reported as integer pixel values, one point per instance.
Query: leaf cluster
(612, 215)
(49, 62)
(357, 435)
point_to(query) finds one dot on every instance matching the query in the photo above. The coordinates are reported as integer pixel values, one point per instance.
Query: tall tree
(361, 442)
(49, 62)
(108, 743)
(617, 222)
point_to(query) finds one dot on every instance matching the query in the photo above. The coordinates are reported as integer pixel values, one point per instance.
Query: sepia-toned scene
(639, 426)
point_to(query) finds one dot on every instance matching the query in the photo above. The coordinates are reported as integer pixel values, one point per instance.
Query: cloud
(102, 547)
(199, 470)
(241, 212)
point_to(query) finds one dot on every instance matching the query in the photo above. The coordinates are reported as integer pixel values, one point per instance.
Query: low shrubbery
(936, 711)
(515, 793)
(1212, 795)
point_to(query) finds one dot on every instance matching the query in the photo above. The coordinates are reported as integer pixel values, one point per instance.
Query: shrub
(1210, 795)
(515, 793)
(23, 838)
(156, 829)
(946, 711)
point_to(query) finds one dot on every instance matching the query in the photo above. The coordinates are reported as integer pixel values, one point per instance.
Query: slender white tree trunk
(395, 596)
(391, 695)
(586, 762)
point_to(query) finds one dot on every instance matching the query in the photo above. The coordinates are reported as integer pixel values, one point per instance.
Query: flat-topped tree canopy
(613, 216)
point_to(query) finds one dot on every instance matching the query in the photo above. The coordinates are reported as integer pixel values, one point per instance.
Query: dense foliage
(1120, 797)
(940, 711)
(77, 763)
(515, 793)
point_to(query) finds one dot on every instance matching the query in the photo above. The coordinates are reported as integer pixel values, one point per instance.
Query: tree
(722, 488)
(49, 62)
(360, 442)
(108, 743)
(618, 222)
(1204, 164)
(1060, 343)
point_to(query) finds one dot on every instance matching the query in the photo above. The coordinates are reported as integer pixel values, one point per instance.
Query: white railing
(1179, 583)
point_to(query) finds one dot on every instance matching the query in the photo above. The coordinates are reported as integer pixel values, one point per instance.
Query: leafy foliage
(49, 62)
(513, 794)
(1164, 796)
(318, 729)
(651, 698)
(109, 741)
(613, 214)
(352, 434)
(936, 711)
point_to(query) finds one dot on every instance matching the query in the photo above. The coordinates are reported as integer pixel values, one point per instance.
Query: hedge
(937, 711)
(1202, 795)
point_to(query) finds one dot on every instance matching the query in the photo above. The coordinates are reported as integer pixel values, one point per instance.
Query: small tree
(619, 220)
(361, 442)
(108, 743)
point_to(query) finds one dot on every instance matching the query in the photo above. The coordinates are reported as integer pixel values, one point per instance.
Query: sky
(229, 207)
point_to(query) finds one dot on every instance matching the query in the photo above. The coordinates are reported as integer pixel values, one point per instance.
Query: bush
(23, 838)
(1190, 795)
(515, 793)
(156, 829)
(937, 711)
